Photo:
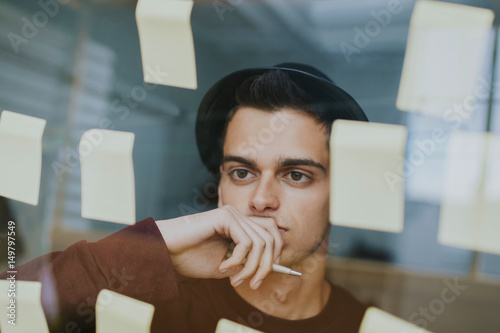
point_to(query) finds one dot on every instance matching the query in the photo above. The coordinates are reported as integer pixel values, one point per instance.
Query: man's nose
(266, 195)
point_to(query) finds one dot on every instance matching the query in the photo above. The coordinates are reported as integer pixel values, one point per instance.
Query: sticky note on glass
(470, 211)
(445, 51)
(463, 172)
(366, 175)
(166, 40)
(108, 185)
(489, 228)
(23, 307)
(119, 313)
(378, 321)
(20, 156)
(227, 326)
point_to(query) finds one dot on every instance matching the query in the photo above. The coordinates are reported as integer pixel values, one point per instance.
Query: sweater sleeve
(134, 262)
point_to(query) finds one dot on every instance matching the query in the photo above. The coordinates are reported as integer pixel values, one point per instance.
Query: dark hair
(292, 86)
(274, 91)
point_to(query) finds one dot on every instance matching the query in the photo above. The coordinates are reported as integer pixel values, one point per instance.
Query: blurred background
(83, 65)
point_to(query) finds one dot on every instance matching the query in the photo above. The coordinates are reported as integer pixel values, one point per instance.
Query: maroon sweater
(135, 262)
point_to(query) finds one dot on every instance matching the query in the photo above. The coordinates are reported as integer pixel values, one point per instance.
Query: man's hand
(198, 244)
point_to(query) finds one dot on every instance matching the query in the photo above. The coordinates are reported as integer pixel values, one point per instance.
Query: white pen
(276, 268)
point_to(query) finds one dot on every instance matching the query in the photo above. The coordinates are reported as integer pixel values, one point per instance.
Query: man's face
(276, 164)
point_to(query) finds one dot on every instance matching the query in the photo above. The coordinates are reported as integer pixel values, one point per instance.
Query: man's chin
(296, 259)
(290, 259)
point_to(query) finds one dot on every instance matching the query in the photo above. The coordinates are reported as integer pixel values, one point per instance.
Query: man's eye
(239, 173)
(298, 177)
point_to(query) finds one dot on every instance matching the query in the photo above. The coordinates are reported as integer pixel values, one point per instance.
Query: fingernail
(277, 261)
(238, 283)
(224, 270)
(257, 285)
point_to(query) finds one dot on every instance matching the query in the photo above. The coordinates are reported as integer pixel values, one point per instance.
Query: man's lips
(280, 228)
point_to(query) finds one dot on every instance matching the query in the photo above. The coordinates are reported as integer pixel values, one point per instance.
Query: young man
(266, 131)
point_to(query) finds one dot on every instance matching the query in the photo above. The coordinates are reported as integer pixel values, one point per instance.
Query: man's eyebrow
(289, 162)
(282, 163)
(238, 159)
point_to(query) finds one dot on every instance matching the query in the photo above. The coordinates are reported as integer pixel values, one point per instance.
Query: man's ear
(219, 200)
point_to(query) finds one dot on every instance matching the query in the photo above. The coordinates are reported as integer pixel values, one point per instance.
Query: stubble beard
(293, 257)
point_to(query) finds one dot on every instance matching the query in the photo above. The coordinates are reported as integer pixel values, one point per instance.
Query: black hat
(334, 103)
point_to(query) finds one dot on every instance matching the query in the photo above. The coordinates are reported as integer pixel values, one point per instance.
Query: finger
(229, 273)
(240, 252)
(237, 233)
(267, 229)
(254, 256)
(270, 226)
(266, 262)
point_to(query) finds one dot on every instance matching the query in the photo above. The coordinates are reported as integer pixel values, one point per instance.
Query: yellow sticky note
(20, 156)
(166, 40)
(108, 185)
(23, 307)
(470, 211)
(119, 313)
(367, 182)
(228, 326)
(378, 321)
(445, 51)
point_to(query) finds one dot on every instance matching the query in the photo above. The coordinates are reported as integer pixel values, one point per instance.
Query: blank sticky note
(20, 156)
(367, 181)
(22, 307)
(119, 313)
(470, 210)
(378, 321)
(227, 326)
(463, 172)
(166, 40)
(489, 228)
(108, 185)
(445, 51)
